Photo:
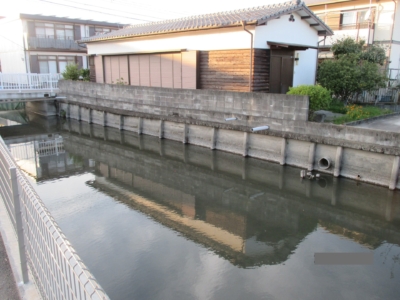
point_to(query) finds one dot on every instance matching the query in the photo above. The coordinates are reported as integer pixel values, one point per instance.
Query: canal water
(156, 219)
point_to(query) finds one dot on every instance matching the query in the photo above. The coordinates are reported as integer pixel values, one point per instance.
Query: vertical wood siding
(98, 66)
(134, 70)
(189, 70)
(155, 70)
(177, 70)
(167, 71)
(170, 70)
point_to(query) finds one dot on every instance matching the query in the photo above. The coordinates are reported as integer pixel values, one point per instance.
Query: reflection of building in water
(249, 211)
(238, 235)
(47, 158)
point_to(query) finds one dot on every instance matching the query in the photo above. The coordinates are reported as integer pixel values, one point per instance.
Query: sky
(125, 11)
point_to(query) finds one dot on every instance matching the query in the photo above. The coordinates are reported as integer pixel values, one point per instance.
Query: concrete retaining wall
(205, 105)
(361, 165)
(358, 153)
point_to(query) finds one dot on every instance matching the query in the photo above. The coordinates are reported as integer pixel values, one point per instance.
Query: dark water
(155, 219)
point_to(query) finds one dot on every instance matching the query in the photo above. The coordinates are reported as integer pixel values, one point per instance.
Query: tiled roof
(255, 15)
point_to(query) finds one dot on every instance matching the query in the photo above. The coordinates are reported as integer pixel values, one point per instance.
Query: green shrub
(320, 97)
(71, 72)
(85, 73)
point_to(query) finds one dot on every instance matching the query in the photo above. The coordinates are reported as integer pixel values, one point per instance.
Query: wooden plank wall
(229, 70)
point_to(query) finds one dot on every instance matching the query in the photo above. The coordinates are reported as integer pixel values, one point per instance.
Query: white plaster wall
(281, 30)
(395, 57)
(305, 70)
(396, 31)
(11, 46)
(384, 21)
(202, 40)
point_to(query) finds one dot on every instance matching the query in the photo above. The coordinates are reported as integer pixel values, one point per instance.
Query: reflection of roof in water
(370, 241)
(239, 250)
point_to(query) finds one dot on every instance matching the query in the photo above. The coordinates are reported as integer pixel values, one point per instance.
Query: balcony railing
(28, 82)
(52, 43)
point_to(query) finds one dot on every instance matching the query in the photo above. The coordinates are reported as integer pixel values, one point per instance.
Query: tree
(71, 72)
(353, 70)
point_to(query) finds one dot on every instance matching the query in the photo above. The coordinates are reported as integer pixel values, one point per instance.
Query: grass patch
(337, 106)
(358, 112)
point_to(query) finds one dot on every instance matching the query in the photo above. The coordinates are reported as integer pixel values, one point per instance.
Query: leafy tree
(71, 72)
(353, 70)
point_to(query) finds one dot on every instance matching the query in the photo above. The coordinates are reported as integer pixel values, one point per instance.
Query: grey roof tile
(207, 21)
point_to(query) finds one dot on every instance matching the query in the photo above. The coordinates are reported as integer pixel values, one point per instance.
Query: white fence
(58, 271)
(29, 81)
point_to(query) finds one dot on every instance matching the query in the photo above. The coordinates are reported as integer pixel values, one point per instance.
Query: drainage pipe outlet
(324, 163)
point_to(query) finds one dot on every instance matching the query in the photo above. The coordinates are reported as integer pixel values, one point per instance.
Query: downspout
(251, 55)
(316, 69)
(391, 35)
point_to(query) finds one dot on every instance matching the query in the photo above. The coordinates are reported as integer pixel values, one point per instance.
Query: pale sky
(124, 11)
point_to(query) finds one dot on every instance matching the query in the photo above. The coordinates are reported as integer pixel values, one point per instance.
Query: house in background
(374, 21)
(262, 49)
(45, 44)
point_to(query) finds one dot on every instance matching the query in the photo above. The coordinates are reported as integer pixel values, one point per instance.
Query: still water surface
(155, 219)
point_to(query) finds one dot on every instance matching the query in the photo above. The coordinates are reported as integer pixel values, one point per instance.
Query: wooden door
(281, 72)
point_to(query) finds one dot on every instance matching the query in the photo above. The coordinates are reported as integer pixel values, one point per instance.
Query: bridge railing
(58, 271)
(29, 81)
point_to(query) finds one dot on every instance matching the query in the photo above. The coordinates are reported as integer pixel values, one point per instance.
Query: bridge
(27, 87)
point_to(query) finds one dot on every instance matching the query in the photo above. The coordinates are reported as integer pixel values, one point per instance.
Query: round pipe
(230, 119)
(260, 128)
(324, 163)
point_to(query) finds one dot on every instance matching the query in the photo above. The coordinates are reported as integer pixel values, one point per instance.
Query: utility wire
(112, 9)
(97, 11)
(150, 7)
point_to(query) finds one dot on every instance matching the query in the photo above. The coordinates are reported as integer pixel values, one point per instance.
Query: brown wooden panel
(144, 70)
(275, 75)
(107, 69)
(155, 70)
(229, 70)
(124, 68)
(98, 63)
(114, 69)
(177, 70)
(189, 70)
(167, 70)
(134, 69)
(286, 74)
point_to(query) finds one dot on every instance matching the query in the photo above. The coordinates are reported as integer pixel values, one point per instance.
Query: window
(54, 64)
(98, 30)
(356, 18)
(54, 31)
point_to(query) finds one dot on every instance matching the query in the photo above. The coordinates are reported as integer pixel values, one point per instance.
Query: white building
(263, 49)
(45, 44)
(374, 21)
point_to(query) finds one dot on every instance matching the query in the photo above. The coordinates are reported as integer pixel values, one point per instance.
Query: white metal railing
(58, 271)
(51, 147)
(29, 81)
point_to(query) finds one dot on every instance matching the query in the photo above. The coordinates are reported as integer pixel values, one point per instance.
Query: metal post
(19, 83)
(18, 222)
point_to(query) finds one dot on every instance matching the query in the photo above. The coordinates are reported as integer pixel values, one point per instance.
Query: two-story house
(374, 21)
(46, 44)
